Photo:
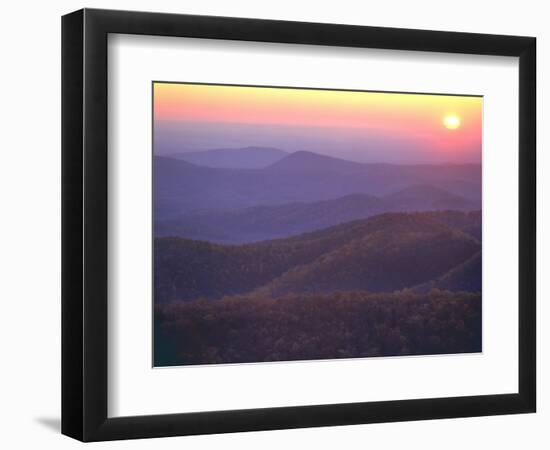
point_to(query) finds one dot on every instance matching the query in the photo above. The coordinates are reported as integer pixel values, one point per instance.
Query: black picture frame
(84, 224)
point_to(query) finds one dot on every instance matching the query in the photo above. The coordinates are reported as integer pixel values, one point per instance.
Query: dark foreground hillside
(348, 324)
(393, 284)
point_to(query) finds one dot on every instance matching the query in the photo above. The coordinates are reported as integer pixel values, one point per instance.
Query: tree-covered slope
(383, 253)
(464, 277)
(405, 251)
(353, 324)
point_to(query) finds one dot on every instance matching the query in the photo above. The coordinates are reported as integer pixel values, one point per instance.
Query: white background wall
(30, 222)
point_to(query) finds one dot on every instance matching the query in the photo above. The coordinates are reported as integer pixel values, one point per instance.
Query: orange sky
(414, 116)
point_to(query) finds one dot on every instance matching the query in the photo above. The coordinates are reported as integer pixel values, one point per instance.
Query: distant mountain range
(303, 161)
(256, 223)
(381, 254)
(182, 187)
(233, 158)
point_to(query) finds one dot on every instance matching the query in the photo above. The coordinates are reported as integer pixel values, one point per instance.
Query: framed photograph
(272, 224)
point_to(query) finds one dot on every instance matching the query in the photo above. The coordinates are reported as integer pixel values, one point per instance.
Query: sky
(355, 125)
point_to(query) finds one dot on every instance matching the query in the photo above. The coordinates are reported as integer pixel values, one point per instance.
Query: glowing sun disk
(451, 121)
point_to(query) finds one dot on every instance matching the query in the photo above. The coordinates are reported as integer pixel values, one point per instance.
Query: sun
(451, 121)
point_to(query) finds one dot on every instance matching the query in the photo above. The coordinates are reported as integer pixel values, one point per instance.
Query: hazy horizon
(357, 126)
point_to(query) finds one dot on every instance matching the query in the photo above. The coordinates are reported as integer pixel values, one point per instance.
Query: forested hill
(383, 253)
(351, 324)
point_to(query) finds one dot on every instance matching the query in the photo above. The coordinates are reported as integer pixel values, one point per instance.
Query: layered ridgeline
(233, 158)
(381, 254)
(258, 223)
(261, 255)
(181, 187)
(394, 284)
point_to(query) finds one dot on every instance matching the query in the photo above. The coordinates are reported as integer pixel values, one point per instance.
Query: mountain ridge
(306, 160)
(251, 157)
(181, 187)
(257, 223)
(306, 156)
(386, 252)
